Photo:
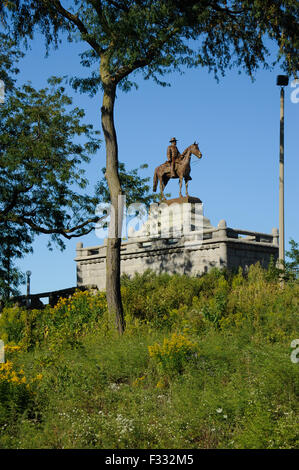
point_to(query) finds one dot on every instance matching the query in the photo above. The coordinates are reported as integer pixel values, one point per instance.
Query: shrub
(154, 298)
(172, 355)
(71, 317)
(12, 324)
(263, 307)
(65, 322)
(15, 393)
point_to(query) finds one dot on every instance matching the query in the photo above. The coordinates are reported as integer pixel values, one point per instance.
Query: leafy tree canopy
(15, 243)
(159, 36)
(41, 181)
(9, 56)
(40, 175)
(33, 170)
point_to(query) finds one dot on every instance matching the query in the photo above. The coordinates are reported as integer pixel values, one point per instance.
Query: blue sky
(235, 121)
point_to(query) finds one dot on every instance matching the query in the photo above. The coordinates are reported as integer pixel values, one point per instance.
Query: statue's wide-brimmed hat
(173, 139)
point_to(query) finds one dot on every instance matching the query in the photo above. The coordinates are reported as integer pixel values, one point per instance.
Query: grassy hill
(204, 363)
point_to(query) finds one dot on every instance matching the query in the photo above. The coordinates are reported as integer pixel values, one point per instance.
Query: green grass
(240, 390)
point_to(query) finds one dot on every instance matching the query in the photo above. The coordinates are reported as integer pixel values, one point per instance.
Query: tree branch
(66, 233)
(97, 5)
(156, 46)
(80, 25)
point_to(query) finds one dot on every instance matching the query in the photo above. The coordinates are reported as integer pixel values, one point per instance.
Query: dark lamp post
(282, 81)
(28, 274)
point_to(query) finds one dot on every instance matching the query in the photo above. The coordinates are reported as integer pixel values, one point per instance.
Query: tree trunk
(113, 293)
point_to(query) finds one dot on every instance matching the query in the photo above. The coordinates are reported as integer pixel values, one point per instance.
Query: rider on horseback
(172, 155)
(176, 166)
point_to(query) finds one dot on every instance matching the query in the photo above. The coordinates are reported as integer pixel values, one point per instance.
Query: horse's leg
(181, 181)
(186, 186)
(162, 186)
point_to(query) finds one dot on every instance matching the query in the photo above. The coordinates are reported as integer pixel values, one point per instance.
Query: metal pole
(281, 182)
(28, 285)
(28, 274)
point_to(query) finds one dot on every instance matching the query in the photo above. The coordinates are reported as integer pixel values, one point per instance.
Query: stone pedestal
(173, 219)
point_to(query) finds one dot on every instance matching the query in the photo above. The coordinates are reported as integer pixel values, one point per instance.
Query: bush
(15, 394)
(12, 324)
(173, 354)
(154, 298)
(63, 323)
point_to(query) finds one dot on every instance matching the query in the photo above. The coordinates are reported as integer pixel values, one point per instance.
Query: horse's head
(195, 150)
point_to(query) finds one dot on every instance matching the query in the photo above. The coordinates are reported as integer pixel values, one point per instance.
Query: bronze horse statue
(182, 170)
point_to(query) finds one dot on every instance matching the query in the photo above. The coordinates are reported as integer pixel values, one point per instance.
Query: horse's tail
(155, 181)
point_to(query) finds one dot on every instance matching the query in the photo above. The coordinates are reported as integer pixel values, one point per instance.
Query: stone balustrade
(193, 253)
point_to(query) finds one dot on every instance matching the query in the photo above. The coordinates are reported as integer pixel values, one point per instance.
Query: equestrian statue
(176, 166)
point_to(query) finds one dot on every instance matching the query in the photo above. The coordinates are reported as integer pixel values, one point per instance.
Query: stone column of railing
(275, 234)
(221, 233)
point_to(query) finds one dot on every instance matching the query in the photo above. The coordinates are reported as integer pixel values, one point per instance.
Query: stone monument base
(173, 218)
(164, 244)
